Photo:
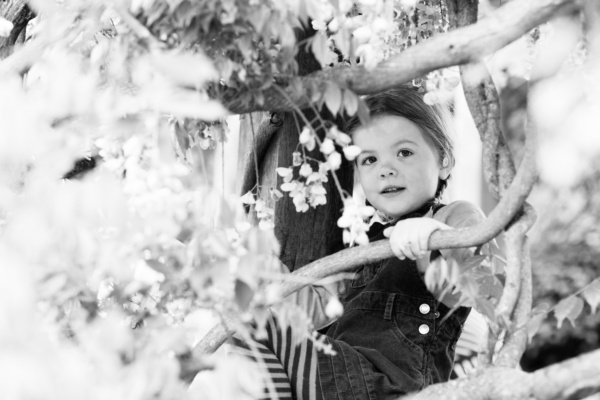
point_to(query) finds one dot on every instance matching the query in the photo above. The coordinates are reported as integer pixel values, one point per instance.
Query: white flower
(314, 177)
(380, 25)
(305, 170)
(335, 160)
(327, 147)
(362, 239)
(307, 138)
(351, 152)
(334, 25)
(319, 25)
(334, 308)
(345, 221)
(283, 172)
(300, 203)
(265, 224)
(362, 34)
(345, 6)
(5, 27)
(248, 198)
(318, 200)
(288, 186)
(342, 139)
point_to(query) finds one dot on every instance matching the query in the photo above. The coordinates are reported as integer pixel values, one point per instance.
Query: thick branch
(460, 46)
(515, 341)
(499, 171)
(514, 237)
(484, 103)
(571, 379)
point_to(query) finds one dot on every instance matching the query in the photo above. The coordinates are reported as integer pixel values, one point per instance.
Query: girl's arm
(409, 238)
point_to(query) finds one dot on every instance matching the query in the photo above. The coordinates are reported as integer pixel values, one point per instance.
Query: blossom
(327, 147)
(307, 138)
(351, 152)
(334, 160)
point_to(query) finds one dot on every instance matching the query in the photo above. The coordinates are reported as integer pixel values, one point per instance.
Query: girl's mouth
(392, 190)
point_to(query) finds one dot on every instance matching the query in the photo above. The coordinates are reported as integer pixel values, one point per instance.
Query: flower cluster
(307, 189)
(264, 213)
(355, 222)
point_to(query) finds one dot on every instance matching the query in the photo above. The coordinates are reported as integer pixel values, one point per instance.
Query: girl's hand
(410, 237)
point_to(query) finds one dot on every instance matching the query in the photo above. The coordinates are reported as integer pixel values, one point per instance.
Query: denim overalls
(389, 340)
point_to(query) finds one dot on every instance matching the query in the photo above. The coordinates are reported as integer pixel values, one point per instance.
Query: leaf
(183, 139)
(350, 102)
(364, 115)
(538, 315)
(243, 294)
(592, 294)
(470, 262)
(333, 98)
(320, 49)
(568, 308)
(485, 307)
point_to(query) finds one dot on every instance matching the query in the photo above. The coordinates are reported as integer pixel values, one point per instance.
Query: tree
(110, 74)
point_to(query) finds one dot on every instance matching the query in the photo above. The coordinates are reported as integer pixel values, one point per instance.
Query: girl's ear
(445, 169)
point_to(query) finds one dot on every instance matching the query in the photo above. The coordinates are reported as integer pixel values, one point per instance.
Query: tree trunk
(275, 139)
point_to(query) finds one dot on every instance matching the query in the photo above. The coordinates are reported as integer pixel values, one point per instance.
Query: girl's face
(397, 168)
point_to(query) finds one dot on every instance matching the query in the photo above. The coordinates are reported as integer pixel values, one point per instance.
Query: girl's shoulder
(459, 214)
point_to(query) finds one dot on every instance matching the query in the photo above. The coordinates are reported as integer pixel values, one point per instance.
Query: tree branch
(460, 46)
(571, 379)
(516, 340)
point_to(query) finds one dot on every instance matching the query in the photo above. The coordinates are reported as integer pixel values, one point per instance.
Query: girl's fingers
(397, 250)
(424, 243)
(387, 232)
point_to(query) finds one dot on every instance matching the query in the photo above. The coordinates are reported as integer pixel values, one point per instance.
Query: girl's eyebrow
(396, 144)
(402, 141)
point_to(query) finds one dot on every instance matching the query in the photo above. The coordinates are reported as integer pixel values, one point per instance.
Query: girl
(390, 339)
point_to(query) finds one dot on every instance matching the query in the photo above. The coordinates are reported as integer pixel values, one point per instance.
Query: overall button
(424, 308)
(424, 329)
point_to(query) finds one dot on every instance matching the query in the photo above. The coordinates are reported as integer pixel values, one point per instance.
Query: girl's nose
(386, 172)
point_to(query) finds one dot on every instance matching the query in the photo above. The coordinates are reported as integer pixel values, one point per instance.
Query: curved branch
(460, 46)
(516, 340)
(571, 379)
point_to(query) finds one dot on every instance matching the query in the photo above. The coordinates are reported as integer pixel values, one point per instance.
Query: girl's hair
(433, 121)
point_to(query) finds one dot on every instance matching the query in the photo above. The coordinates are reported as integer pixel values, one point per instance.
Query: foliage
(109, 279)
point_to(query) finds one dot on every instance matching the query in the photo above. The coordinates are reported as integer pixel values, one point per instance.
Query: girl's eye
(405, 153)
(368, 160)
